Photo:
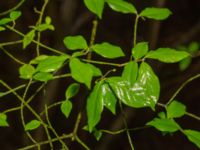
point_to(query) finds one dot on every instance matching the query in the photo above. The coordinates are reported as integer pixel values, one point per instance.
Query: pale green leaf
(66, 108)
(26, 71)
(164, 125)
(3, 120)
(108, 50)
(34, 124)
(28, 38)
(140, 50)
(94, 106)
(4, 21)
(121, 6)
(72, 90)
(81, 72)
(95, 6)
(48, 20)
(51, 63)
(2, 28)
(38, 59)
(156, 13)
(75, 42)
(175, 110)
(167, 55)
(15, 15)
(193, 136)
(43, 76)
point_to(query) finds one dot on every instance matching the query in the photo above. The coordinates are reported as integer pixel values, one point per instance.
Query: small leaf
(94, 106)
(130, 72)
(164, 125)
(66, 108)
(95, 6)
(140, 50)
(175, 110)
(108, 50)
(193, 136)
(15, 15)
(43, 27)
(97, 134)
(3, 120)
(96, 71)
(81, 72)
(28, 38)
(75, 42)
(167, 55)
(156, 13)
(48, 20)
(5, 21)
(2, 28)
(43, 76)
(38, 59)
(34, 124)
(185, 63)
(26, 71)
(162, 115)
(51, 63)
(72, 90)
(109, 99)
(121, 6)
(193, 47)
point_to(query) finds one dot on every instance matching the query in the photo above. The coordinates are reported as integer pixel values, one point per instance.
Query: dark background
(70, 17)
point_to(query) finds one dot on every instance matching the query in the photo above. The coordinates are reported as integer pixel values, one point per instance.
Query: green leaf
(5, 21)
(81, 72)
(28, 38)
(48, 20)
(193, 47)
(15, 15)
(72, 90)
(130, 72)
(75, 42)
(156, 13)
(109, 99)
(94, 106)
(145, 91)
(175, 110)
(193, 136)
(26, 71)
(108, 50)
(164, 125)
(96, 71)
(121, 6)
(43, 76)
(185, 63)
(44, 26)
(2, 28)
(38, 59)
(140, 50)
(34, 124)
(162, 115)
(95, 6)
(3, 120)
(97, 134)
(51, 63)
(66, 108)
(167, 55)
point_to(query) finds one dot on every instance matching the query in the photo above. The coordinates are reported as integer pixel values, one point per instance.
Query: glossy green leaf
(72, 90)
(167, 55)
(193, 136)
(15, 15)
(81, 72)
(26, 71)
(156, 13)
(96, 71)
(95, 6)
(28, 38)
(4, 21)
(176, 109)
(38, 59)
(121, 6)
(185, 63)
(145, 91)
(66, 108)
(2, 28)
(130, 72)
(34, 124)
(164, 125)
(43, 76)
(94, 106)
(51, 63)
(140, 50)
(3, 120)
(109, 99)
(108, 50)
(75, 42)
